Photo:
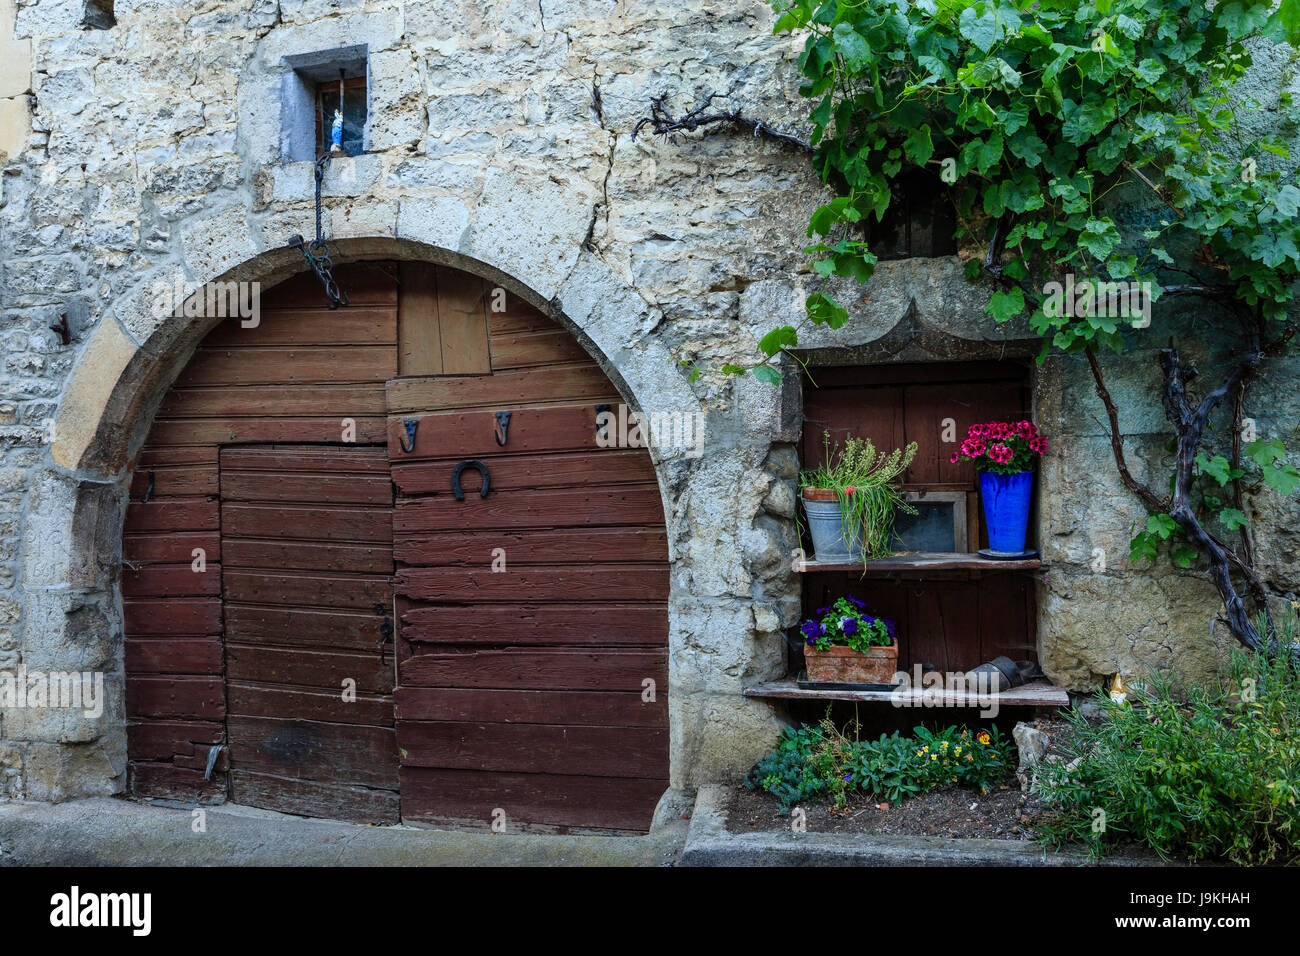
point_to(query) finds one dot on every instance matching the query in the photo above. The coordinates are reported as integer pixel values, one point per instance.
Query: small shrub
(822, 762)
(1212, 776)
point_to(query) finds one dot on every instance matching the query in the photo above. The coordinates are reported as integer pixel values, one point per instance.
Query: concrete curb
(710, 844)
(103, 831)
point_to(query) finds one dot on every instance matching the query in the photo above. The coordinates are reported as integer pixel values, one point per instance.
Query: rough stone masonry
(151, 143)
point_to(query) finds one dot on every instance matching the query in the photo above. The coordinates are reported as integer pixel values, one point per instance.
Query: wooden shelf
(911, 562)
(1039, 693)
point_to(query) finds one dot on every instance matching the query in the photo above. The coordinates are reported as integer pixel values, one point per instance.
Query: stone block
(15, 126)
(103, 360)
(15, 67)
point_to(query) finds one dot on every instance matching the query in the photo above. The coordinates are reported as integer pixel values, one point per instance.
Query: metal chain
(317, 252)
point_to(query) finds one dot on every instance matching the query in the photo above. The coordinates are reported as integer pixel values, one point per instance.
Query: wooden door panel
(542, 709)
(307, 586)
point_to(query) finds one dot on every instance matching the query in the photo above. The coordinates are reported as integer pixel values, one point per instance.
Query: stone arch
(73, 615)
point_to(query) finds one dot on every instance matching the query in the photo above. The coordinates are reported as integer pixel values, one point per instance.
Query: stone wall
(500, 142)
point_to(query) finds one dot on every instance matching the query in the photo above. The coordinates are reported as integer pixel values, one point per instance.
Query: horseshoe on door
(482, 469)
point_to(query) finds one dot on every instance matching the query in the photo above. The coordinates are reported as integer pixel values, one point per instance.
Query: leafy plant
(847, 624)
(1214, 775)
(1004, 447)
(1034, 113)
(823, 762)
(866, 487)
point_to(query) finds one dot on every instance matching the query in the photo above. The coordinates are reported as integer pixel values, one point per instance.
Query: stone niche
(306, 74)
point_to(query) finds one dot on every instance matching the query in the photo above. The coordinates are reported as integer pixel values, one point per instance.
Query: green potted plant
(845, 644)
(851, 498)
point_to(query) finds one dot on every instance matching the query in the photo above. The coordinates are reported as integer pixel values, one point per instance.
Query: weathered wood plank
(201, 698)
(610, 466)
(538, 669)
(291, 365)
(265, 700)
(348, 459)
(250, 553)
(419, 344)
(917, 562)
(171, 580)
(165, 739)
(306, 522)
(314, 798)
(313, 750)
(309, 628)
(274, 401)
(168, 781)
(546, 347)
(306, 588)
(592, 708)
(172, 514)
(175, 481)
(562, 383)
(536, 624)
(1034, 694)
(302, 486)
(355, 325)
(622, 505)
(535, 748)
(174, 655)
(620, 803)
(216, 431)
(539, 546)
(172, 616)
(601, 583)
(170, 547)
(296, 668)
(462, 322)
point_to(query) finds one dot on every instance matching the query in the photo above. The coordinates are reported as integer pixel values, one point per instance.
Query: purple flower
(850, 626)
(823, 610)
(856, 603)
(812, 630)
(889, 626)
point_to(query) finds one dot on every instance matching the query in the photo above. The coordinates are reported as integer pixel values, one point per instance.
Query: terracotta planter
(820, 494)
(843, 665)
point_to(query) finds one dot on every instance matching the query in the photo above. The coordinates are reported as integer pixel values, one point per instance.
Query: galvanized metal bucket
(827, 529)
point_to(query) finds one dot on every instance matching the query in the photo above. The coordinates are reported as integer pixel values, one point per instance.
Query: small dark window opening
(921, 220)
(354, 114)
(98, 15)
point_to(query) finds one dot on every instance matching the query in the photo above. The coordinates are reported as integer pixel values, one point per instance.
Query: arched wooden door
(529, 627)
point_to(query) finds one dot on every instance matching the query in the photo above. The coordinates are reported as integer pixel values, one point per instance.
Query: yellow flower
(934, 756)
(957, 751)
(983, 737)
(944, 745)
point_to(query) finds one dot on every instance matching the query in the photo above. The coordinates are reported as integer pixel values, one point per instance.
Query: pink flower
(1000, 453)
(973, 447)
(1038, 444)
(956, 457)
(976, 431)
(1000, 430)
(1026, 430)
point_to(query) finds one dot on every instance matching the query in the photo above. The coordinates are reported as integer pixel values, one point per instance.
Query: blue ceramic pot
(1006, 508)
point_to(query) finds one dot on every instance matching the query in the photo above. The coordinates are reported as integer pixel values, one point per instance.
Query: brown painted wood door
(306, 540)
(532, 679)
